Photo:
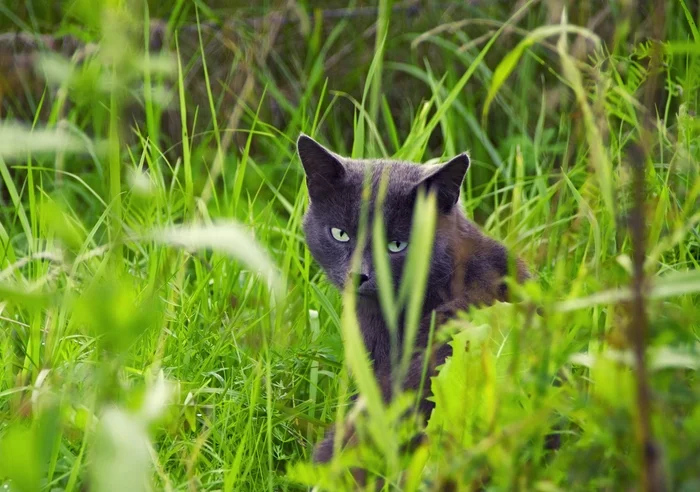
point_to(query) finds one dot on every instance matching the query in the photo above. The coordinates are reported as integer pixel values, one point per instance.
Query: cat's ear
(323, 169)
(446, 181)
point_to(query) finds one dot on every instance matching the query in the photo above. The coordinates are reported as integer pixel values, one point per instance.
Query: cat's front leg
(323, 451)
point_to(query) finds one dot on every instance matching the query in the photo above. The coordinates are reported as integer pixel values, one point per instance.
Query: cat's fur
(467, 268)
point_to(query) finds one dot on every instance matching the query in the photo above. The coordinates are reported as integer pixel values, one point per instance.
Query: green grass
(162, 324)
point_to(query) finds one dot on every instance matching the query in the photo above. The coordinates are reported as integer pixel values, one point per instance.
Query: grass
(163, 325)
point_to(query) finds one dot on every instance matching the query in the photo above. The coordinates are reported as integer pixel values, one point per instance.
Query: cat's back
(481, 263)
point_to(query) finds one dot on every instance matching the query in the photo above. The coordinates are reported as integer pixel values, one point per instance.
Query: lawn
(164, 327)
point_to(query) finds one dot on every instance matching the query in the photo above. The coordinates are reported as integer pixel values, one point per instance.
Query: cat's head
(331, 222)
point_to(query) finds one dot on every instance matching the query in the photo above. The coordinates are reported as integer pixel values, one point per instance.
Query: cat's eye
(339, 235)
(397, 246)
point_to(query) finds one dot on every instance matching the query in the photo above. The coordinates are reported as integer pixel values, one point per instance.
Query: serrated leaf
(458, 388)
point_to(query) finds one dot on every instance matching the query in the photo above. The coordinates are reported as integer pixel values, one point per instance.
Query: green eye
(397, 246)
(339, 235)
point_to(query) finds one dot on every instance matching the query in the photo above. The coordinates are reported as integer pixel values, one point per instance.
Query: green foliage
(162, 325)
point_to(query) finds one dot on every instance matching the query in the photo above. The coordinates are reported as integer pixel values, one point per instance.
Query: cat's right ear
(323, 169)
(446, 179)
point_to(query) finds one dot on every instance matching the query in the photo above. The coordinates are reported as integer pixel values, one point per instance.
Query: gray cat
(467, 268)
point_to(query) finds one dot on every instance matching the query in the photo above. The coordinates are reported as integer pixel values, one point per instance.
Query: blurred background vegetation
(138, 352)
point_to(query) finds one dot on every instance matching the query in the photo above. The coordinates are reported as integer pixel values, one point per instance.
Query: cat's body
(467, 268)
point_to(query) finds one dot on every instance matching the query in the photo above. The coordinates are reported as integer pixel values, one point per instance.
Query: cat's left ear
(446, 181)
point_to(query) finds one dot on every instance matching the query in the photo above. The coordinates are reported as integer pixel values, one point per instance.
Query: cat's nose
(361, 278)
(365, 285)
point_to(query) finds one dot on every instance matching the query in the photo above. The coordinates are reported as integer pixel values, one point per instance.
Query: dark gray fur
(467, 267)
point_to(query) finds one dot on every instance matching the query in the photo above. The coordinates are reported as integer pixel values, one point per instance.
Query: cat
(467, 268)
